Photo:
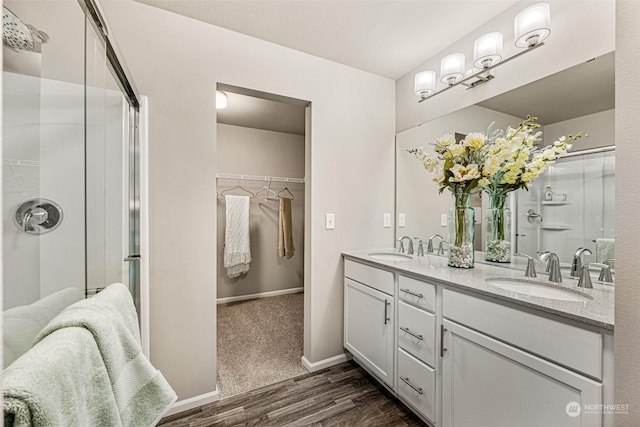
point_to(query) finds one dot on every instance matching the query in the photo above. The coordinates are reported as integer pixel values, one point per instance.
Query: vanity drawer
(376, 278)
(418, 293)
(573, 347)
(417, 384)
(416, 332)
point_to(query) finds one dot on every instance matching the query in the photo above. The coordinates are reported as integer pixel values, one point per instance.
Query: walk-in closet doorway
(262, 145)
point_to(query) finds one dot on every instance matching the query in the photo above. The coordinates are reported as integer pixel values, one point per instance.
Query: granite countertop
(598, 311)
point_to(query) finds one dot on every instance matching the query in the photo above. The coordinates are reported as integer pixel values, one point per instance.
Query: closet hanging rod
(260, 178)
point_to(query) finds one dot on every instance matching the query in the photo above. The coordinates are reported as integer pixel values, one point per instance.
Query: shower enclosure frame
(137, 257)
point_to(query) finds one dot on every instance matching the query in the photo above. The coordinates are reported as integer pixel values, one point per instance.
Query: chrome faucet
(531, 267)
(576, 265)
(430, 243)
(554, 266)
(401, 239)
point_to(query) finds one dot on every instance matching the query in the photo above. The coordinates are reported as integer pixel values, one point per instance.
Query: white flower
(464, 173)
(475, 140)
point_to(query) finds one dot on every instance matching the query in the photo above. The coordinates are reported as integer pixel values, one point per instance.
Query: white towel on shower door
(237, 253)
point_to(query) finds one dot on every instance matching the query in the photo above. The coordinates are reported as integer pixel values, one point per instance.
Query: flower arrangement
(512, 159)
(498, 162)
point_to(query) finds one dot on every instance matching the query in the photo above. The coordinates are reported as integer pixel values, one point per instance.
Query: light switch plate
(443, 220)
(401, 220)
(330, 221)
(387, 221)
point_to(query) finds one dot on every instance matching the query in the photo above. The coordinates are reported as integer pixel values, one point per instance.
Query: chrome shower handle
(26, 220)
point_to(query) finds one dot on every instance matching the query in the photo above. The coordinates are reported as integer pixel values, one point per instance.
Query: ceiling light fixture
(221, 100)
(531, 27)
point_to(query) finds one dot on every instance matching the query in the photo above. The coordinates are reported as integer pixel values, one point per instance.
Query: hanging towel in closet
(237, 254)
(285, 231)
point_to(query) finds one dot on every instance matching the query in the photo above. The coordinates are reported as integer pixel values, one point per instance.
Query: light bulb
(532, 25)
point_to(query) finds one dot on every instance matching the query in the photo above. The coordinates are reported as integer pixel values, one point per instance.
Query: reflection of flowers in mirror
(499, 161)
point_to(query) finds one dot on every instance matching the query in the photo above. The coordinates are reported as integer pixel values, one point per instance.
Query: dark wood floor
(343, 395)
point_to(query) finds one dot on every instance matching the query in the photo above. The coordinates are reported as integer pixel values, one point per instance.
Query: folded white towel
(605, 249)
(237, 252)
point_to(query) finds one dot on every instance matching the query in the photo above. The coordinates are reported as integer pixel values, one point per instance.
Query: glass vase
(497, 229)
(461, 221)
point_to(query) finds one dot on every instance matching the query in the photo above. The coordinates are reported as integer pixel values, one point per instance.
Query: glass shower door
(112, 175)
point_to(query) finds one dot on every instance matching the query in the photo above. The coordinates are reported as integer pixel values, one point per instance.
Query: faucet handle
(420, 246)
(553, 266)
(605, 272)
(531, 267)
(441, 246)
(401, 247)
(585, 278)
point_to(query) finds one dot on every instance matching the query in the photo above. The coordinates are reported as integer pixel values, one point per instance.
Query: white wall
(177, 62)
(600, 127)
(62, 176)
(21, 137)
(249, 151)
(567, 46)
(627, 333)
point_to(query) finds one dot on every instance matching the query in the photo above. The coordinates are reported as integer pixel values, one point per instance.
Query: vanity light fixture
(424, 83)
(221, 100)
(531, 27)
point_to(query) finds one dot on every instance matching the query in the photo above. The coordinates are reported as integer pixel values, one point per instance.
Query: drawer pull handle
(386, 316)
(442, 349)
(412, 333)
(412, 293)
(408, 382)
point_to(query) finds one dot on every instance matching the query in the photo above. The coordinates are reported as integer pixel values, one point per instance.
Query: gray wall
(261, 152)
(349, 173)
(627, 333)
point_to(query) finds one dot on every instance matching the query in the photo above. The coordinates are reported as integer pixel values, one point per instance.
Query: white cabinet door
(368, 328)
(487, 383)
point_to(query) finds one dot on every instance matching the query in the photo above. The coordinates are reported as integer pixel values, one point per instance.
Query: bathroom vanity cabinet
(369, 318)
(461, 359)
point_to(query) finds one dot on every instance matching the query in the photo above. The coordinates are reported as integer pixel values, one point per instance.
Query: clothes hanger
(287, 190)
(267, 192)
(240, 188)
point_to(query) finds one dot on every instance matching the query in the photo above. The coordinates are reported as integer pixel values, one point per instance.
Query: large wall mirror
(578, 210)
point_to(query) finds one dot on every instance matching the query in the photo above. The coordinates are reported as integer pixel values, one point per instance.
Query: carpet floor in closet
(260, 342)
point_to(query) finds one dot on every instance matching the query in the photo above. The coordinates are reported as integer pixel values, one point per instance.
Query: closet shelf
(232, 176)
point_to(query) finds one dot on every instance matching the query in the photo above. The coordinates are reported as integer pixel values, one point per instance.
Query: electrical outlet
(443, 220)
(386, 223)
(401, 220)
(330, 222)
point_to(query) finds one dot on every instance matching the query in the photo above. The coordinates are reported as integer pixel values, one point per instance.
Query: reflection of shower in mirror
(579, 215)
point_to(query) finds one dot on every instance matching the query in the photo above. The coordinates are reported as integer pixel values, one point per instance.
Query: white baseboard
(326, 363)
(193, 402)
(260, 295)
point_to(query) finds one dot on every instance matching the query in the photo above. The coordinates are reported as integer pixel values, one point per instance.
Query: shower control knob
(38, 216)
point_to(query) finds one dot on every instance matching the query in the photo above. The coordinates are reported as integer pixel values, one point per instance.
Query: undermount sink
(537, 289)
(390, 256)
